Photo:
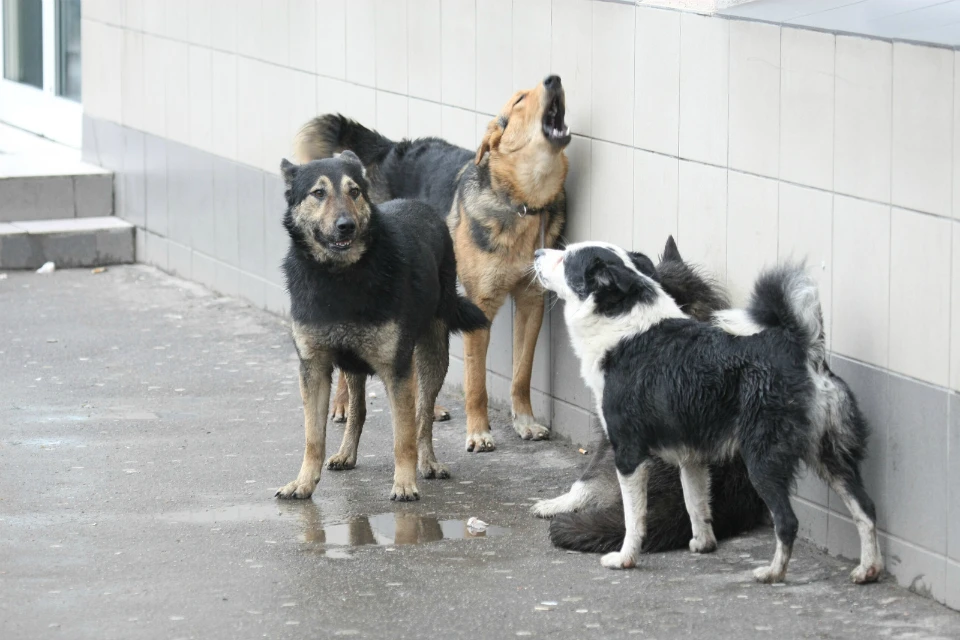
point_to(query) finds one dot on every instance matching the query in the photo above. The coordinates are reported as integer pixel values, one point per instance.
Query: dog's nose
(346, 225)
(552, 82)
(539, 253)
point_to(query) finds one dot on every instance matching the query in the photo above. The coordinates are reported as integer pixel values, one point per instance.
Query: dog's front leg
(346, 457)
(633, 487)
(403, 405)
(527, 321)
(316, 373)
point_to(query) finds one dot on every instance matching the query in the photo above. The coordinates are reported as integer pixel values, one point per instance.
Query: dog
(372, 291)
(501, 201)
(754, 382)
(589, 517)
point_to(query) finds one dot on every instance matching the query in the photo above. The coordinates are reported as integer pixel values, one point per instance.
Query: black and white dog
(756, 384)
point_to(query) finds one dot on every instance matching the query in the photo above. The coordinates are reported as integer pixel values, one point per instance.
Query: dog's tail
(329, 134)
(784, 297)
(467, 317)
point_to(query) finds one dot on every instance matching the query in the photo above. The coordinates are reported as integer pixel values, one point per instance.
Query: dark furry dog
(501, 201)
(372, 291)
(692, 394)
(589, 517)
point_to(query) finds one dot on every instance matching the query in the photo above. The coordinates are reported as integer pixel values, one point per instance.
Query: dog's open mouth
(554, 128)
(341, 245)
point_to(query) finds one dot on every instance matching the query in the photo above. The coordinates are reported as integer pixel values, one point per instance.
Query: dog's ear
(350, 157)
(289, 171)
(613, 276)
(491, 139)
(670, 251)
(643, 264)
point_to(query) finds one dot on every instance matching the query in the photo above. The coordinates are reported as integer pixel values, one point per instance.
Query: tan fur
(322, 213)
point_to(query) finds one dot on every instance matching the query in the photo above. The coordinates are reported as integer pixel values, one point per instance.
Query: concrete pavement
(145, 424)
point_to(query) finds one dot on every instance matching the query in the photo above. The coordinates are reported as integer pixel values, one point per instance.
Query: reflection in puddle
(384, 529)
(392, 529)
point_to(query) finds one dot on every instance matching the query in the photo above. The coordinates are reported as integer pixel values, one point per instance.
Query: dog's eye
(319, 194)
(354, 192)
(520, 99)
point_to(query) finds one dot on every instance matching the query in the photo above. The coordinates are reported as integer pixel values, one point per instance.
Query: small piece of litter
(292, 622)
(3, 276)
(48, 267)
(524, 633)
(372, 395)
(764, 628)
(52, 340)
(130, 471)
(583, 610)
(549, 603)
(583, 452)
(289, 604)
(99, 270)
(476, 525)
(394, 584)
(176, 618)
(542, 608)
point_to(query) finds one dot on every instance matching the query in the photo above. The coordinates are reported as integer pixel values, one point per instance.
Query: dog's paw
(616, 560)
(529, 429)
(434, 469)
(477, 442)
(863, 575)
(703, 544)
(404, 492)
(338, 413)
(440, 414)
(768, 575)
(552, 507)
(296, 490)
(342, 462)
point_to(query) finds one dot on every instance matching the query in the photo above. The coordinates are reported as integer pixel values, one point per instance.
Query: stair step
(70, 242)
(50, 188)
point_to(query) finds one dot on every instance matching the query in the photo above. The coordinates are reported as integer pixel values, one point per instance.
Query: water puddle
(385, 529)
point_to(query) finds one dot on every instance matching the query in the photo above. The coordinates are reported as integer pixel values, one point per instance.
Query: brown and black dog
(502, 202)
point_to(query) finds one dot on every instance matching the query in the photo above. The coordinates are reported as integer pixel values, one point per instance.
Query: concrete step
(72, 242)
(36, 188)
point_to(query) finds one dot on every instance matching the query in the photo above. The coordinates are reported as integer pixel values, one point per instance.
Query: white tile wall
(752, 221)
(459, 126)
(251, 77)
(224, 111)
(806, 107)
(702, 218)
(361, 42)
(755, 97)
(392, 115)
(132, 81)
(274, 32)
(920, 296)
(578, 190)
(704, 65)
(249, 22)
(178, 23)
(922, 121)
(611, 205)
(331, 95)
(494, 54)
(458, 57)
(331, 38)
(531, 43)
(200, 97)
(863, 118)
(571, 50)
(302, 37)
(177, 81)
(861, 293)
(955, 309)
(611, 108)
(805, 227)
(391, 45)
(200, 23)
(361, 103)
(656, 124)
(655, 196)
(423, 48)
(223, 31)
(154, 17)
(154, 92)
(423, 119)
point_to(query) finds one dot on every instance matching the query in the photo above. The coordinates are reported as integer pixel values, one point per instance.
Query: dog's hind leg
(695, 479)
(315, 381)
(403, 406)
(528, 297)
(432, 358)
(475, 344)
(854, 496)
(341, 400)
(633, 487)
(772, 483)
(346, 457)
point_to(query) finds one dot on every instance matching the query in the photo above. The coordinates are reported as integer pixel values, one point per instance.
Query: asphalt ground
(146, 422)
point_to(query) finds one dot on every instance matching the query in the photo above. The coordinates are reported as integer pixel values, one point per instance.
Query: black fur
(407, 274)
(686, 390)
(736, 506)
